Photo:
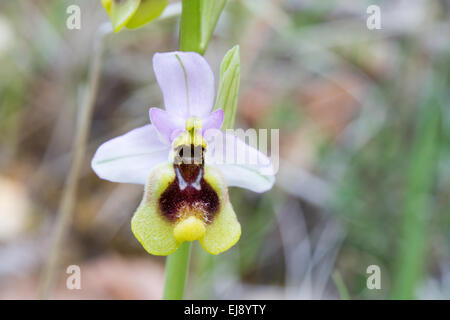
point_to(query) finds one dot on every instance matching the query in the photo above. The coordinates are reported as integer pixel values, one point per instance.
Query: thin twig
(340, 286)
(70, 188)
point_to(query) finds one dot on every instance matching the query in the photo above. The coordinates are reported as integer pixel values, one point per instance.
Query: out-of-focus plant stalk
(198, 21)
(340, 286)
(411, 255)
(67, 202)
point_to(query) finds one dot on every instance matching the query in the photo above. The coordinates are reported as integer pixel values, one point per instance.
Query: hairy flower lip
(159, 236)
(189, 194)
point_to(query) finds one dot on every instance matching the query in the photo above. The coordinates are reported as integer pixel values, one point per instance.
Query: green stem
(198, 21)
(340, 286)
(177, 266)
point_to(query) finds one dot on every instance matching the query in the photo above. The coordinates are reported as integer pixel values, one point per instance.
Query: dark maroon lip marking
(189, 193)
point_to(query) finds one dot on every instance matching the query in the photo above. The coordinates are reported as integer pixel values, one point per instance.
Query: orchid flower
(186, 188)
(133, 13)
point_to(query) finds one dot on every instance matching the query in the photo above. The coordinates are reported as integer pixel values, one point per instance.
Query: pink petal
(212, 121)
(168, 125)
(186, 81)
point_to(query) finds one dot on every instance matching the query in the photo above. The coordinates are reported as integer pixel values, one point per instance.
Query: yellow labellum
(160, 236)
